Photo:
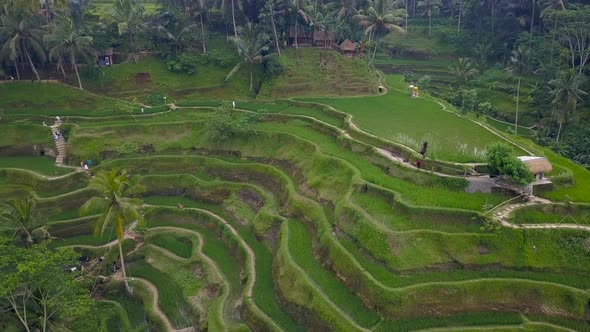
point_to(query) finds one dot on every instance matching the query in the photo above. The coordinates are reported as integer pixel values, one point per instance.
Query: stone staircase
(60, 145)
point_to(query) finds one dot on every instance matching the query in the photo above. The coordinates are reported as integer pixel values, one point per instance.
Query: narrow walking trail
(60, 144)
(502, 215)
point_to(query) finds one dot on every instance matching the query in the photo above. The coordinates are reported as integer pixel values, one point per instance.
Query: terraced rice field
(298, 224)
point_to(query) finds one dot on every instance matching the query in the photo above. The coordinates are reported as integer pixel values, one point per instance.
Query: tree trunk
(203, 34)
(233, 18)
(493, 17)
(532, 25)
(251, 76)
(559, 131)
(460, 14)
(31, 64)
(429, 23)
(23, 318)
(553, 38)
(61, 66)
(406, 20)
(73, 59)
(17, 72)
(274, 29)
(296, 32)
(123, 267)
(517, 104)
(374, 51)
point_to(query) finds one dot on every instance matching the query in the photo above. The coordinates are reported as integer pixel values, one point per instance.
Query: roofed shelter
(537, 165)
(348, 48)
(323, 39)
(298, 36)
(106, 58)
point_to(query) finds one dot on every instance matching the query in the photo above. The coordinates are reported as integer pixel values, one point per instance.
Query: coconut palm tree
(22, 37)
(552, 8)
(430, 7)
(128, 14)
(22, 214)
(463, 70)
(518, 65)
(117, 210)
(66, 39)
(177, 32)
(379, 19)
(300, 10)
(566, 92)
(234, 6)
(251, 45)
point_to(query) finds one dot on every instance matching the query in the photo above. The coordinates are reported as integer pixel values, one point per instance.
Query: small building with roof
(298, 36)
(539, 166)
(106, 58)
(348, 48)
(323, 39)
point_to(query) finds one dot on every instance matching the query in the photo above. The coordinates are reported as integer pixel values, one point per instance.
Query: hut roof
(347, 45)
(301, 33)
(322, 35)
(536, 164)
(108, 51)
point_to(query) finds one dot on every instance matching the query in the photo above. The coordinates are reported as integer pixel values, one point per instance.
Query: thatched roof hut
(348, 48)
(322, 38)
(537, 165)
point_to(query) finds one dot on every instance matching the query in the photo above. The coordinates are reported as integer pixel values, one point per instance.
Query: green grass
(134, 307)
(469, 319)
(179, 245)
(411, 121)
(552, 214)
(313, 72)
(171, 299)
(300, 246)
(56, 100)
(45, 166)
(119, 80)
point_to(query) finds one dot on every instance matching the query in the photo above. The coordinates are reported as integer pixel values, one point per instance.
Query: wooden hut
(323, 39)
(348, 48)
(539, 166)
(304, 38)
(106, 58)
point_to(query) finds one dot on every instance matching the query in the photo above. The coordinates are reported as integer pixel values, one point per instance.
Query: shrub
(155, 99)
(128, 148)
(273, 68)
(184, 63)
(424, 82)
(502, 162)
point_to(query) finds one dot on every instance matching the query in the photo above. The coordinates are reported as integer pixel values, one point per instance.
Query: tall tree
(37, 288)
(22, 215)
(552, 9)
(67, 39)
(128, 14)
(463, 70)
(517, 67)
(178, 32)
(251, 45)
(117, 209)
(300, 10)
(430, 7)
(380, 19)
(22, 38)
(575, 34)
(566, 92)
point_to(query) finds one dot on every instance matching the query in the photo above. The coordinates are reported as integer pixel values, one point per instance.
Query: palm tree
(430, 7)
(566, 92)
(23, 215)
(67, 39)
(178, 32)
(128, 14)
(463, 70)
(251, 44)
(517, 67)
(380, 19)
(552, 8)
(300, 10)
(22, 38)
(202, 10)
(232, 5)
(117, 210)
